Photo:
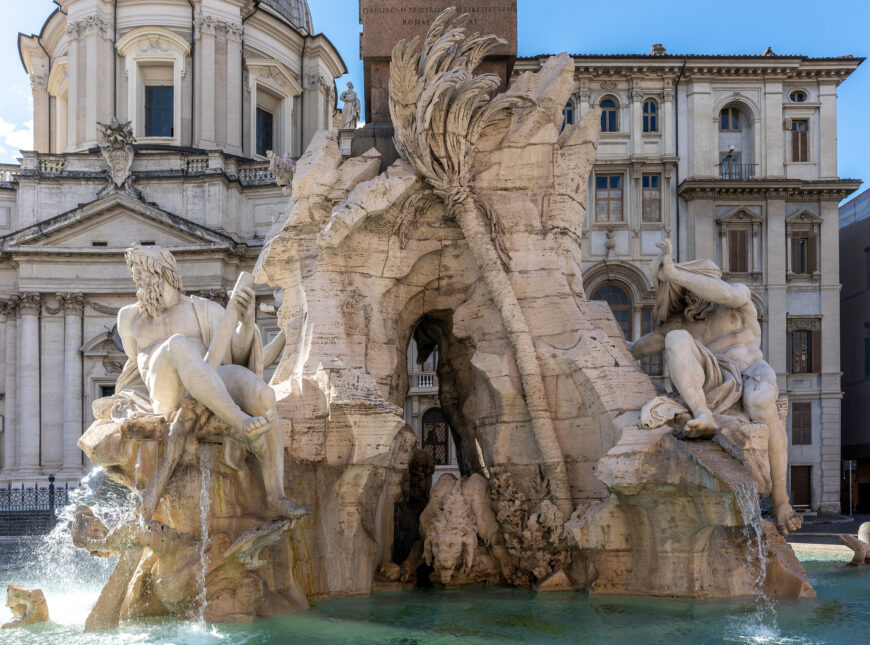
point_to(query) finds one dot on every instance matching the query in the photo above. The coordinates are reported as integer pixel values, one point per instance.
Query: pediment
(119, 221)
(740, 215)
(803, 217)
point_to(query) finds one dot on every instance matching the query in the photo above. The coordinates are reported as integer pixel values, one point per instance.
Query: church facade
(209, 87)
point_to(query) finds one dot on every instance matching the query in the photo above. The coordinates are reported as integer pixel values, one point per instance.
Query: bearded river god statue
(191, 428)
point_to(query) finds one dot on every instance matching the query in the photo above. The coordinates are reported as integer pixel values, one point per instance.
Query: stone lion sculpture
(28, 606)
(460, 537)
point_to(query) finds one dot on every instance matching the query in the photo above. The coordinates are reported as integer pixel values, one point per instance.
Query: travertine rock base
(672, 525)
(27, 605)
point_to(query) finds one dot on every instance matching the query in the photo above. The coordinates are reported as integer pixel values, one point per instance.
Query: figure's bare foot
(701, 427)
(257, 426)
(786, 519)
(284, 508)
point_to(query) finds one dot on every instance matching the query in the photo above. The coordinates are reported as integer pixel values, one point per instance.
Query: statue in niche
(166, 336)
(709, 331)
(351, 110)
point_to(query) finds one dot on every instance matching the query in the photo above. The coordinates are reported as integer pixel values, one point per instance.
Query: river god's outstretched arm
(706, 287)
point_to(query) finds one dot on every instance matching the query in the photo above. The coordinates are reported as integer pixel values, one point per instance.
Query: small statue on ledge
(710, 334)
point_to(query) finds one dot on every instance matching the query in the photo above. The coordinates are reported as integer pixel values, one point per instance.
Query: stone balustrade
(256, 175)
(51, 165)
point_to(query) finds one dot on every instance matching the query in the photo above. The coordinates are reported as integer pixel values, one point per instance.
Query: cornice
(783, 189)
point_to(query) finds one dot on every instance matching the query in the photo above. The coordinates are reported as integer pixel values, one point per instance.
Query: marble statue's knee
(760, 392)
(180, 346)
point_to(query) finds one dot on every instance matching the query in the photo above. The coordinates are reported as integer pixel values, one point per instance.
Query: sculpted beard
(149, 292)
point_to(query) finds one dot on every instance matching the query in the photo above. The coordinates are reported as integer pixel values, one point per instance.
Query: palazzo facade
(733, 158)
(209, 87)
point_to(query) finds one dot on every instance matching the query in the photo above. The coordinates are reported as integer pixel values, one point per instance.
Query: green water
(840, 614)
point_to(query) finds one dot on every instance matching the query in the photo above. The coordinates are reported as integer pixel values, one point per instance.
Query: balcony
(423, 382)
(737, 171)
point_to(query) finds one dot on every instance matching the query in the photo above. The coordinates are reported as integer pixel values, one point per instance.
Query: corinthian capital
(72, 303)
(28, 303)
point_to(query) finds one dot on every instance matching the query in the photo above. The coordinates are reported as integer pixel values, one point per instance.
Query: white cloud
(17, 137)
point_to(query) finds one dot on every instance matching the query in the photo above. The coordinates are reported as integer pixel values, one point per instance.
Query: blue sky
(807, 27)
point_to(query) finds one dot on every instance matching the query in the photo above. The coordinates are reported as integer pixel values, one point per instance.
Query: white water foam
(205, 464)
(762, 626)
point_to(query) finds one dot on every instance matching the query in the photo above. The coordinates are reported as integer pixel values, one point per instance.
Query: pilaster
(28, 385)
(10, 436)
(73, 308)
(828, 131)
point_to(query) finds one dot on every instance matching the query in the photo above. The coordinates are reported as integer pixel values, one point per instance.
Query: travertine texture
(28, 606)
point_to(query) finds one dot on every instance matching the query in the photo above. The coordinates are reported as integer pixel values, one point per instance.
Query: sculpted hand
(243, 300)
(667, 258)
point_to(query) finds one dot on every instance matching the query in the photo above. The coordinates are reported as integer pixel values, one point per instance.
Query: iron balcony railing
(737, 171)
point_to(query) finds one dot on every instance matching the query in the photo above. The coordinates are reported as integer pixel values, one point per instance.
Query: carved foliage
(534, 534)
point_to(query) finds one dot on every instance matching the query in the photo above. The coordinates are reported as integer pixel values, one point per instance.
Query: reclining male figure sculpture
(710, 334)
(166, 334)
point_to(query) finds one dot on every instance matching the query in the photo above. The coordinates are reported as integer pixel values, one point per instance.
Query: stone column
(204, 35)
(665, 121)
(771, 136)
(10, 452)
(827, 131)
(51, 386)
(636, 118)
(777, 303)
(41, 112)
(234, 82)
(73, 306)
(28, 386)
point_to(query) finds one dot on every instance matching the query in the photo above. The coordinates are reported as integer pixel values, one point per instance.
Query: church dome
(296, 11)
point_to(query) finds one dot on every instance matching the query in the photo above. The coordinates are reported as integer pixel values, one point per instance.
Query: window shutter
(816, 351)
(795, 254)
(737, 247)
(812, 264)
(789, 339)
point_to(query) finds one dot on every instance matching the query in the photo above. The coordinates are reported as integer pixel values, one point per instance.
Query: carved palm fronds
(439, 110)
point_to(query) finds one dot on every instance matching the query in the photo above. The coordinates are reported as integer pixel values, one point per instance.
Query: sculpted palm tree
(439, 109)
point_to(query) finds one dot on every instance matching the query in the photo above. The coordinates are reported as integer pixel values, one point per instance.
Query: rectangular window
(799, 140)
(801, 490)
(738, 250)
(801, 423)
(264, 131)
(652, 365)
(159, 107)
(608, 198)
(99, 244)
(107, 390)
(652, 198)
(803, 252)
(805, 351)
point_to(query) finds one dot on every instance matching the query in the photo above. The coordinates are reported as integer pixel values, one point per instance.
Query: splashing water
(756, 560)
(205, 465)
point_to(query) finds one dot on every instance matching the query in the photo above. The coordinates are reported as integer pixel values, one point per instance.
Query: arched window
(620, 304)
(609, 116)
(729, 119)
(435, 430)
(797, 96)
(567, 115)
(650, 116)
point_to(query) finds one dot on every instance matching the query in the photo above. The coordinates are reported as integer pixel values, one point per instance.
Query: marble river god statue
(191, 386)
(709, 331)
